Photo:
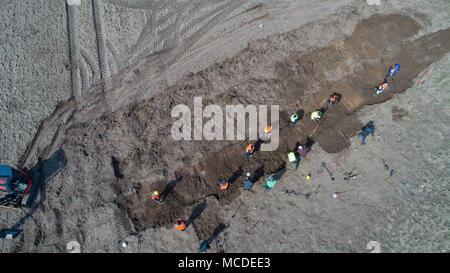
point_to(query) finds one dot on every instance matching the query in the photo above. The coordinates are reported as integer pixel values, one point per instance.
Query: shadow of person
(259, 172)
(170, 187)
(196, 213)
(235, 175)
(278, 174)
(42, 173)
(258, 144)
(301, 114)
(206, 243)
(309, 142)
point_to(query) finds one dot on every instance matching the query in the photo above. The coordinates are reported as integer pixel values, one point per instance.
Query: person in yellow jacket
(316, 115)
(293, 159)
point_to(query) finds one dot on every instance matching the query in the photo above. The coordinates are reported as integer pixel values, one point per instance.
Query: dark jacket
(368, 129)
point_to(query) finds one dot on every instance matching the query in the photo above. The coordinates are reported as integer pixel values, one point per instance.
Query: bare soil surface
(101, 152)
(152, 158)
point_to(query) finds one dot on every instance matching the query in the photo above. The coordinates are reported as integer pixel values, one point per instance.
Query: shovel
(330, 173)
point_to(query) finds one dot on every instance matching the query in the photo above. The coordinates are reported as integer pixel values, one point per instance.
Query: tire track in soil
(92, 64)
(72, 13)
(98, 13)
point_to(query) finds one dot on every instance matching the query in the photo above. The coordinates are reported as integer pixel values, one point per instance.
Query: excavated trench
(145, 157)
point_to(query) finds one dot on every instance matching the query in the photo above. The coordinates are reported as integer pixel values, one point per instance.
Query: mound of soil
(146, 158)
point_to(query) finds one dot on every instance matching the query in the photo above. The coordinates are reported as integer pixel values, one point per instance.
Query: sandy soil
(114, 145)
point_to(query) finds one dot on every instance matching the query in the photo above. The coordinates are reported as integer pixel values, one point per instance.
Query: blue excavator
(15, 187)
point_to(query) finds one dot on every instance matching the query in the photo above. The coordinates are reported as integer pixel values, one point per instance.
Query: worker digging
(249, 151)
(180, 225)
(154, 195)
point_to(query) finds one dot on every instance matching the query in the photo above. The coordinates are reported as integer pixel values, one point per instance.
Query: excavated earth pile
(131, 150)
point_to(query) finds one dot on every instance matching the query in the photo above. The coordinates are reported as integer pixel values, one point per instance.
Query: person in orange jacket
(155, 197)
(250, 149)
(223, 184)
(180, 225)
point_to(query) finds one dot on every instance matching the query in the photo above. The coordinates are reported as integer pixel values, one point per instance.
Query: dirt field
(112, 145)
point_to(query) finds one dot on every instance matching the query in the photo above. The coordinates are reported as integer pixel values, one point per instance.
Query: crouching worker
(180, 225)
(155, 197)
(249, 150)
(248, 184)
(303, 151)
(293, 159)
(223, 184)
(270, 183)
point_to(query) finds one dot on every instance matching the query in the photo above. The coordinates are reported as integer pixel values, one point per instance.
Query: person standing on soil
(247, 183)
(384, 86)
(180, 225)
(367, 130)
(293, 159)
(249, 150)
(303, 151)
(155, 197)
(293, 118)
(223, 184)
(316, 115)
(270, 183)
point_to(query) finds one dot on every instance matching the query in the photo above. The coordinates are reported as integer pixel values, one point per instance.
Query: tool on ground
(232, 217)
(140, 239)
(426, 75)
(386, 167)
(336, 194)
(219, 246)
(390, 175)
(351, 172)
(352, 176)
(16, 187)
(330, 173)
(314, 131)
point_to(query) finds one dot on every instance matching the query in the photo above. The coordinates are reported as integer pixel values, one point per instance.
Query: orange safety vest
(224, 186)
(250, 148)
(155, 196)
(268, 129)
(180, 225)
